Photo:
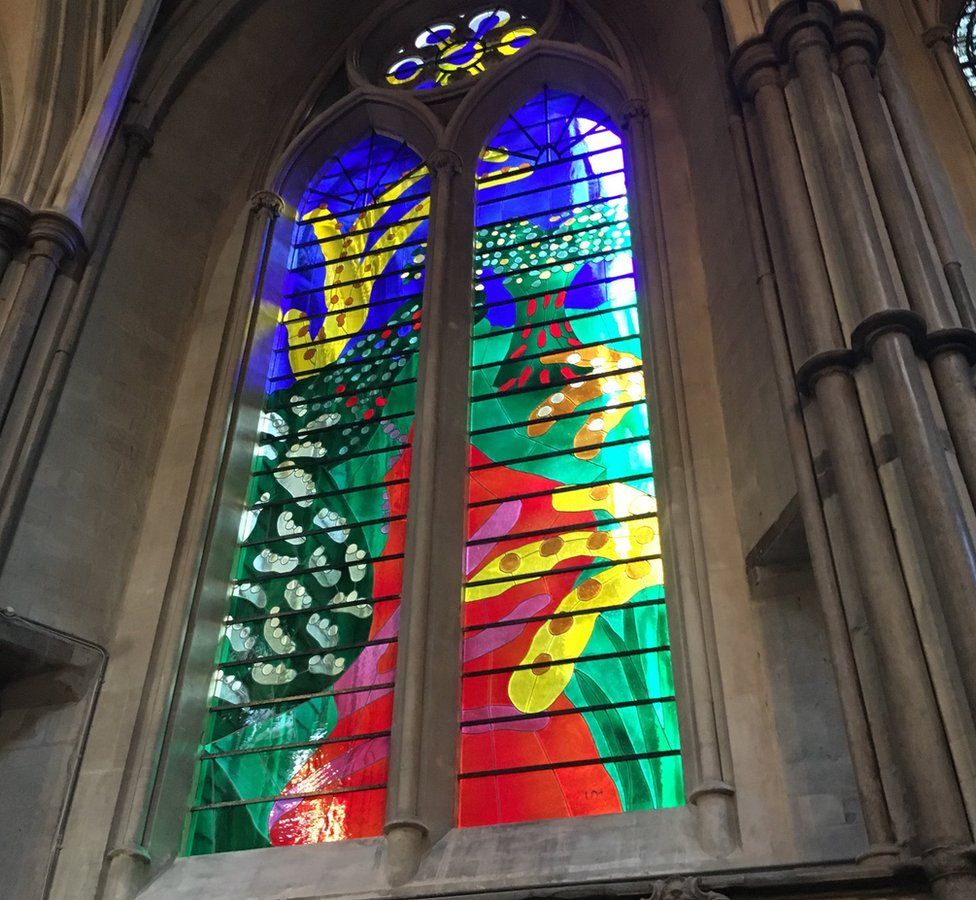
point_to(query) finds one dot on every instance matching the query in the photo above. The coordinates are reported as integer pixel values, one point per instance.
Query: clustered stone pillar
(804, 40)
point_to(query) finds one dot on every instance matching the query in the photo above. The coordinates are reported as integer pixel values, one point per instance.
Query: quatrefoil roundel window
(454, 48)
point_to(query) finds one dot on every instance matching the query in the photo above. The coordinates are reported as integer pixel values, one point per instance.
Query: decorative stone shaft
(910, 702)
(54, 240)
(422, 783)
(15, 221)
(124, 872)
(25, 429)
(888, 334)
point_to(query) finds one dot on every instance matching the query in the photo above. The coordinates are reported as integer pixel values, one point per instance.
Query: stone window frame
(422, 783)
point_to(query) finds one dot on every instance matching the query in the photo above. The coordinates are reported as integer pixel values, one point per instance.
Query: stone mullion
(887, 333)
(423, 755)
(920, 743)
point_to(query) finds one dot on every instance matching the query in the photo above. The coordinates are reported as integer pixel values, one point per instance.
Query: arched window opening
(966, 42)
(458, 47)
(568, 703)
(296, 744)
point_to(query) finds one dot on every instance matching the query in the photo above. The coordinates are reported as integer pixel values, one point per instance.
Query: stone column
(23, 433)
(888, 335)
(423, 755)
(942, 835)
(15, 221)
(53, 242)
(874, 807)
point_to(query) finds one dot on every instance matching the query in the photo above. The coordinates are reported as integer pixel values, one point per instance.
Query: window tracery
(463, 46)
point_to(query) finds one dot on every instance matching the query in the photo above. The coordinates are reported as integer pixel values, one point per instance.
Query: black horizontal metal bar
(322, 495)
(348, 337)
(409, 158)
(565, 417)
(482, 254)
(296, 573)
(486, 180)
(314, 532)
(369, 207)
(411, 220)
(297, 745)
(561, 529)
(352, 281)
(322, 398)
(566, 614)
(572, 661)
(544, 211)
(553, 386)
(372, 304)
(570, 289)
(553, 713)
(228, 804)
(553, 454)
(576, 763)
(498, 363)
(290, 613)
(603, 563)
(510, 273)
(341, 260)
(325, 462)
(341, 365)
(315, 464)
(302, 654)
(324, 429)
(552, 186)
(580, 317)
(565, 489)
(301, 698)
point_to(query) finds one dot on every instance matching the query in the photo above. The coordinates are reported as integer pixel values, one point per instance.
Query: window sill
(592, 850)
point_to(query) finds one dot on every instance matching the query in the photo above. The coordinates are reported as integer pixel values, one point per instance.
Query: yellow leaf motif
(350, 273)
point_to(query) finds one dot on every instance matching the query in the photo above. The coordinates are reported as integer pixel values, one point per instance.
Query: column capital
(138, 138)
(444, 162)
(937, 34)
(682, 888)
(15, 219)
(801, 23)
(859, 37)
(268, 202)
(55, 235)
(634, 110)
(754, 65)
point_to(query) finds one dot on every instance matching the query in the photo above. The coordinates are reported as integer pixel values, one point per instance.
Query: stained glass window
(966, 42)
(296, 743)
(459, 47)
(568, 703)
